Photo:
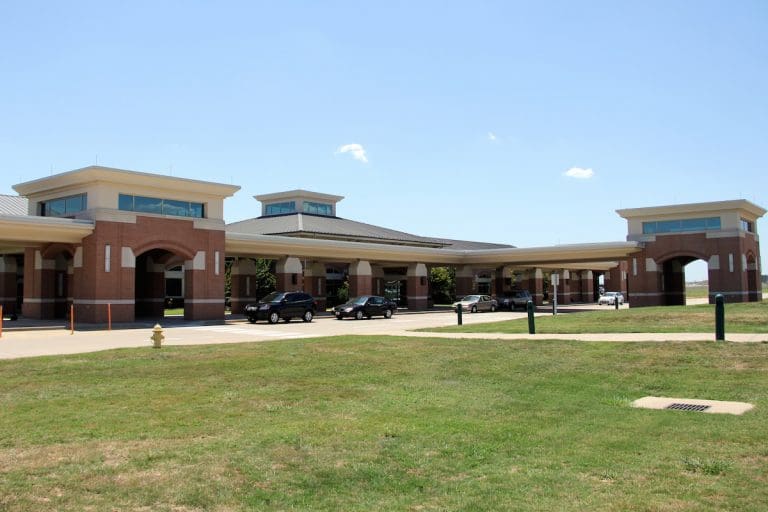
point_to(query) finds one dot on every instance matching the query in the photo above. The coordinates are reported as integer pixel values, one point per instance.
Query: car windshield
(357, 300)
(610, 294)
(471, 298)
(274, 297)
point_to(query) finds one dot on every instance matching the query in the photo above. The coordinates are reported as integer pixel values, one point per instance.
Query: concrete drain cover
(688, 407)
(692, 404)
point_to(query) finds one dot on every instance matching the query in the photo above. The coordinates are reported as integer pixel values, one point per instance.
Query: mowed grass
(381, 423)
(741, 318)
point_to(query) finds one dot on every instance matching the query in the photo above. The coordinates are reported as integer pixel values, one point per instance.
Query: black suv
(365, 307)
(515, 299)
(285, 305)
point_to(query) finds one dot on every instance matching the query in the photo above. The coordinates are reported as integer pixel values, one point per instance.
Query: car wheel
(474, 309)
(273, 318)
(308, 315)
(387, 313)
(359, 315)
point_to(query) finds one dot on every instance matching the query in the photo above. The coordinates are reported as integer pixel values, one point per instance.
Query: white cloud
(578, 172)
(491, 136)
(357, 150)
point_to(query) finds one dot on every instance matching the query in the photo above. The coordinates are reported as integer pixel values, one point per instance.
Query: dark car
(285, 305)
(365, 306)
(515, 299)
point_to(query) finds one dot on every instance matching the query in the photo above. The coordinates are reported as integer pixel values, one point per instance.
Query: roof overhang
(699, 208)
(249, 245)
(23, 231)
(97, 173)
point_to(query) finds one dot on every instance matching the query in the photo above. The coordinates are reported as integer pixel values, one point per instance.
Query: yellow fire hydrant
(157, 336)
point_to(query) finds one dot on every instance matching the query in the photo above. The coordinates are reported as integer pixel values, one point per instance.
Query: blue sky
(452, 119)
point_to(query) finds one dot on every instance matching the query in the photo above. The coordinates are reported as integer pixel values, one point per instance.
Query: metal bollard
(719, 317)
(458, 313)
(157, 336)
(616, 302)
(531, 322)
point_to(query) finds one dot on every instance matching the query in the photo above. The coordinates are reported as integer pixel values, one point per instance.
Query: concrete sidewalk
(42, 339)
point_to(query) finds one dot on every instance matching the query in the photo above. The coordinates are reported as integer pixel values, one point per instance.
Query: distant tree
(442, 284)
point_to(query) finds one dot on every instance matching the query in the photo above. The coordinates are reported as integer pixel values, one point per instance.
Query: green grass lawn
(744, 317)
(377, 423)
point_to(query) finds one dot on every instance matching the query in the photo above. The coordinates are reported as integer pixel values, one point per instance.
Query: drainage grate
(688, 407)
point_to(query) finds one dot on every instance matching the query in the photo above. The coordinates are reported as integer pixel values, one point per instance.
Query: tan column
(360, 278)
(418, 287)
(289, 275)
(39, 285)
(564, 288)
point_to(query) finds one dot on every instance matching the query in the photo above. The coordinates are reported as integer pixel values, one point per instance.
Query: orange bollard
(109, 317)
(72, 319)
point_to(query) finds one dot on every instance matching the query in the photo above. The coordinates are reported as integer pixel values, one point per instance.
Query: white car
(610, 298)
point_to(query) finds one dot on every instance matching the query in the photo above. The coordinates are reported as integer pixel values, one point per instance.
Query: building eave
(25, 230)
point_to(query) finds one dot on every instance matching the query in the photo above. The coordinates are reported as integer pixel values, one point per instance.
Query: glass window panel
(125, 202)
(279, 208)
(317, 208)
(74, 204)
(693, 224)
(713, 223)
(649, 228)
(55, 208)
(196, 210)
(177, 208)
(147, 204)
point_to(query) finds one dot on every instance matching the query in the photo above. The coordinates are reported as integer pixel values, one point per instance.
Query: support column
(575, 283)
(465, 281)
(243, 289)
(314, 283)
(564, 288)
(203, 286)
(39, 285)
(379, 281)
(288, 274)
(587, 286)
(8, 269)
(418, 287)
(536, 285)
(360, 278)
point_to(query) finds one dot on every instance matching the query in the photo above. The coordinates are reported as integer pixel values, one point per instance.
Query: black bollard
(458, 313)
(719, 317)
(616, 302)
(531, 322)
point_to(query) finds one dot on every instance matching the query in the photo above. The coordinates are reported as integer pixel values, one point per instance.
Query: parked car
(475, 303)
(285, 305)
(515, 299)
(366, 306)
(610, 298)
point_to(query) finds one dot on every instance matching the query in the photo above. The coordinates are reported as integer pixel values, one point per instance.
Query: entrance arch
(721, 233)
(150, 286)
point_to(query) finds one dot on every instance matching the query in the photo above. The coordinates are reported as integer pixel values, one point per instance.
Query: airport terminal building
(118, 243)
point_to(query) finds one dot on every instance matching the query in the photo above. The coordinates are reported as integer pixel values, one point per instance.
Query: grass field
(744, 317)
(363, 423)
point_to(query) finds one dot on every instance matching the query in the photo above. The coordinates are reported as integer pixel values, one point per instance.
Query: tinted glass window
(125, 202)
(178, 208)
(279, 208)
(681, 225)
(317, 208)
(147, 205)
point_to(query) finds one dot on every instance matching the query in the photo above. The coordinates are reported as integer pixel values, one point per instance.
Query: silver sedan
(475, 303)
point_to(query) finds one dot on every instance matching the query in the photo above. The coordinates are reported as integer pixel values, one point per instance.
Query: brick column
(314, 283)
(418, 287)
(289, 275)
(536, 285)
(8, 269)
(587, 286)
(203, 286)
(360, 278)
(465, 281)
(242, 284)
(39, 285)
(564, 288)
(379, 280)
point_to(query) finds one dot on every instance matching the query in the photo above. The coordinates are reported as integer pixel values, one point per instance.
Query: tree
(442, 284)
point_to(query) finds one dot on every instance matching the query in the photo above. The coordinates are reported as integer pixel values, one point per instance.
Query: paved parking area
(54, 339)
